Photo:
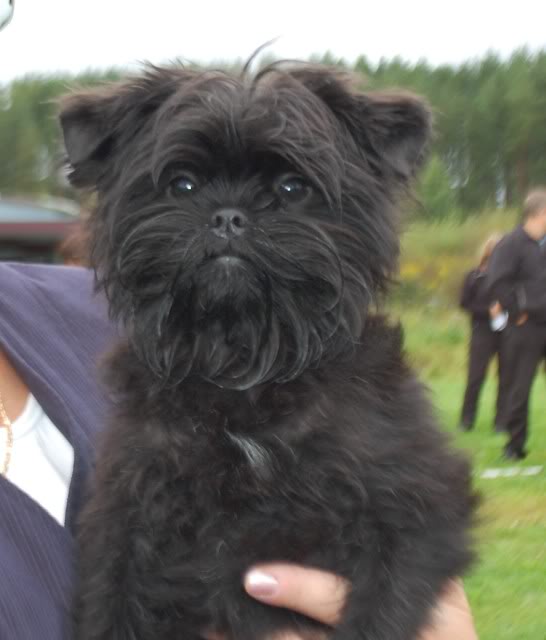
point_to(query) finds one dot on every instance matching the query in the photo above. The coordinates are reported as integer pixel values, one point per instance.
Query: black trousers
(484, 346)
(525, 348)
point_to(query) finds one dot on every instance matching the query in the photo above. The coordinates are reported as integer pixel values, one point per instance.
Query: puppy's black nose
(227, 223)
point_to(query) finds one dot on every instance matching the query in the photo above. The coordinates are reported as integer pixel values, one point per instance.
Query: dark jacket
(52, 329)
(516, 276)
(474, 297)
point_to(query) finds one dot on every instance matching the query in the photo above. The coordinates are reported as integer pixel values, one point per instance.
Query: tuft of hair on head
(534, 203)
(245, 71)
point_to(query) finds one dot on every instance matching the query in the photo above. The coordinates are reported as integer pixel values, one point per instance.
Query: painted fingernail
(260, 584)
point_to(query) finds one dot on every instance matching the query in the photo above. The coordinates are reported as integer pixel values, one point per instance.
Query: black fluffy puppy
(244, 228)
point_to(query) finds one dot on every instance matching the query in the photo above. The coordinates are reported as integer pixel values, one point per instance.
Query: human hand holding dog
(321, 595)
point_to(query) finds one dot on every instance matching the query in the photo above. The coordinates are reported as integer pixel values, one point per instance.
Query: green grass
(507, 588)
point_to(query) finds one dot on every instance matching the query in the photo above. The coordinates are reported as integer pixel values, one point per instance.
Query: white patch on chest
(258, 456)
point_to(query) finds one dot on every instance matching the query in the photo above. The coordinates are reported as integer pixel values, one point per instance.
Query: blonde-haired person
(485, 343)
(73, 249)
(487, 249)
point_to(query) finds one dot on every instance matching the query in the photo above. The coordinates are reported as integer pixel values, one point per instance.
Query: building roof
(25, 220)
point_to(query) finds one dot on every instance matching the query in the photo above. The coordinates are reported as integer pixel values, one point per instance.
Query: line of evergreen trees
(489, 147)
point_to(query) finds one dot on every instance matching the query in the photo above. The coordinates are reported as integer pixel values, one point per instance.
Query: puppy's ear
(391, 129)
(88, 121)
(397, 127)
(93, 121)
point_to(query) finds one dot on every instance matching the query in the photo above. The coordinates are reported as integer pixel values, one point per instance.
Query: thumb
(312, 592)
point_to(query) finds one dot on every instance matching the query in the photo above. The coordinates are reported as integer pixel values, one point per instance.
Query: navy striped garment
(52, 329)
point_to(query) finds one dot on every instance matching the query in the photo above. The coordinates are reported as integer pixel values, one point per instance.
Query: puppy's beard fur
(222, 322)
(242, 320)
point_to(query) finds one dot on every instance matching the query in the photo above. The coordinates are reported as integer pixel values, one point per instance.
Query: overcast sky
(50, 35)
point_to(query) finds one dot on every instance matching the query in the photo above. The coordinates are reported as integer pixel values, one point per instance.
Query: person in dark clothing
(485, 343)
(516, 284)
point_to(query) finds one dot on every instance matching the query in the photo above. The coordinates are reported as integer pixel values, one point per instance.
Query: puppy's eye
(293, 188)
(184, 185)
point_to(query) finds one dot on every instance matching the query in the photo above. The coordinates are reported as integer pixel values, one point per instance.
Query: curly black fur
(245, 228)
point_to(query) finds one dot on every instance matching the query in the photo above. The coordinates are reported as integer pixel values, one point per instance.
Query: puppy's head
(244, 224)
